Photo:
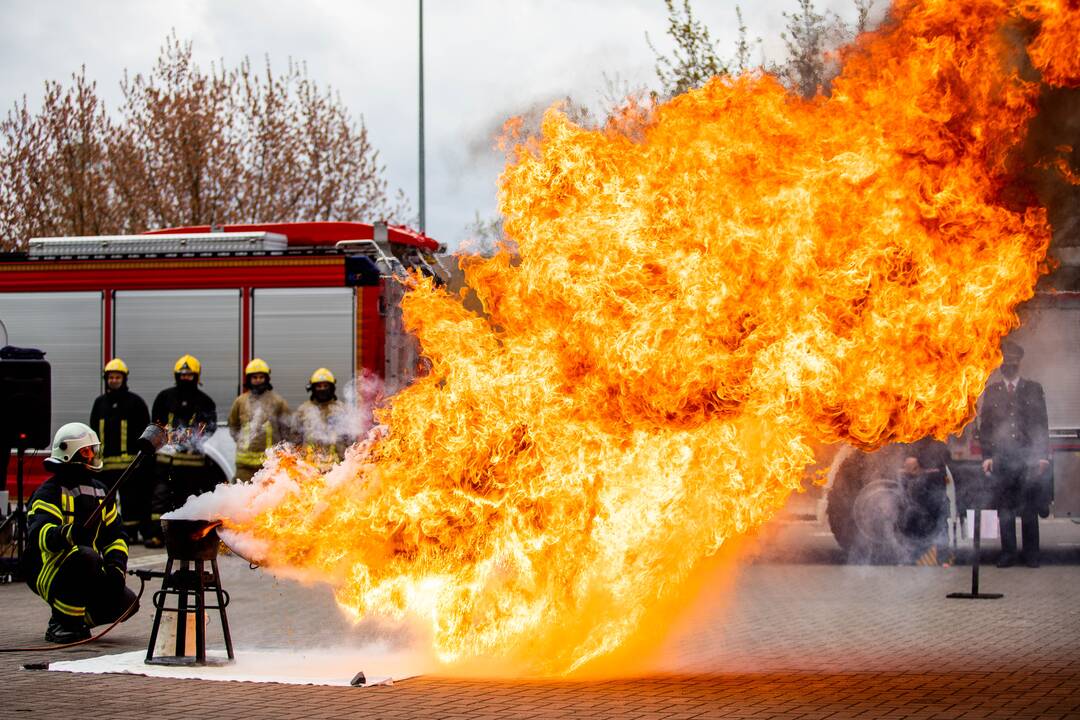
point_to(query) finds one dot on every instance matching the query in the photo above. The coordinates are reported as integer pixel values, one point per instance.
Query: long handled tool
(151, 440)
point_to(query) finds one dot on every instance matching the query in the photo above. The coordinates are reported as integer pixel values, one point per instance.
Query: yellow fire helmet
(187, 363)
(116, 365)
(257, 365)
(322, 375)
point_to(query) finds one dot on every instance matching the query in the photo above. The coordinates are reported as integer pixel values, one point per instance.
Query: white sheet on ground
(294, 667)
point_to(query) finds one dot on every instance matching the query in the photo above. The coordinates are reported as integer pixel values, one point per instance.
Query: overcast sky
(484, 62)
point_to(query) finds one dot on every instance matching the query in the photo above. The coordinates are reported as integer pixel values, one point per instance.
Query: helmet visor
(90, 455)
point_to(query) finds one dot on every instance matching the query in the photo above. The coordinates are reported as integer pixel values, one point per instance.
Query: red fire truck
(299, 295)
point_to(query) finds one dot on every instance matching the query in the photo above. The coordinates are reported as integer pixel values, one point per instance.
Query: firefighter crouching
(182, 468)
(119, 417)
(321, 423)
(79, 571)
(259, 418)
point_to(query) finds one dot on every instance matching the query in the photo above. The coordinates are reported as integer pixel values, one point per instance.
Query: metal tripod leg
(975, 594)
(182, 612)
(221, 609)
(160, 594)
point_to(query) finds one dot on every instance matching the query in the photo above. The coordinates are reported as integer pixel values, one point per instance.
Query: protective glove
(76, 534)
(116, 573)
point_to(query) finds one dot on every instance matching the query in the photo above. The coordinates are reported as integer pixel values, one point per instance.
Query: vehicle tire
(864, 505)
(848, 481)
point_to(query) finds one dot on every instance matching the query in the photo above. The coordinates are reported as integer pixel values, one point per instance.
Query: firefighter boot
(66, 631)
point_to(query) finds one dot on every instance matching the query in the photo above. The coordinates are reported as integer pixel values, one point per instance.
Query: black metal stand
(20, 509)
(17, 520)
(975, 594)
(192, 581)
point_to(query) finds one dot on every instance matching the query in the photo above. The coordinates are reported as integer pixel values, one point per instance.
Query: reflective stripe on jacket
(119, 417)
(323, 430)
(55, 508)
(121, 461)
(191, 417)
(256, 423)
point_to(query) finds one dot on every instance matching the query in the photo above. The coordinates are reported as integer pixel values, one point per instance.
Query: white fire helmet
(68, 443)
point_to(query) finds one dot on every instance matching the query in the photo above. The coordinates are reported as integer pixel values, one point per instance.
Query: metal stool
(194, 549)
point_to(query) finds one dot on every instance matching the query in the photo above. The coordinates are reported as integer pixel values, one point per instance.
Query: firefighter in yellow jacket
(80, 571)
(258, 420)
(322, 424)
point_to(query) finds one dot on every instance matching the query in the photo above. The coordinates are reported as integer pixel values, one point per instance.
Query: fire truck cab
(299, 295)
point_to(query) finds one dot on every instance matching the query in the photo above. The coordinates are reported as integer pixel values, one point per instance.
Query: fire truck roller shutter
(154, 328)
(67, 326)
(299, 329)
(1049, 332)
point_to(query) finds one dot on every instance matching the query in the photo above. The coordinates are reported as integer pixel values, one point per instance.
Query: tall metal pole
(423, 208)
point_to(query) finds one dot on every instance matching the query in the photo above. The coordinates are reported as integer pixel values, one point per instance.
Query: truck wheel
(865, 505)
(840, 505)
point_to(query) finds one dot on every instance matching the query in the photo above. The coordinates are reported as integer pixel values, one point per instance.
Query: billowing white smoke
(271, 485)
(359, 398)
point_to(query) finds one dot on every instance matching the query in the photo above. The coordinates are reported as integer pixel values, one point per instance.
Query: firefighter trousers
(85, 593)
(1022, 495)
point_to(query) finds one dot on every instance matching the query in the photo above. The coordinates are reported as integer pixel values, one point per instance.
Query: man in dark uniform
(119, 417)
(80, 571)
(1015, 439)
(183, 469)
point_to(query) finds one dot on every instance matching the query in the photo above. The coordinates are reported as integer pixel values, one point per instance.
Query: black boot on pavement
(1006, 560)
(62, 634)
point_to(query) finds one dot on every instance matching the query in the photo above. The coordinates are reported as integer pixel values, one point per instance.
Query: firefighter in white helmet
(190, 416)
(80, 571)
(322, 423)
(258, 420)
(119, 416)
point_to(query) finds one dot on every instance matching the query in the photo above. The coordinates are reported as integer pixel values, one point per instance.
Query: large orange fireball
(702, 293)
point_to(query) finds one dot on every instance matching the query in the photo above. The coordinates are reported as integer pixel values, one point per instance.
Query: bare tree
(862, 15)
(334, 168)
(694, 60)
(240, 145)
(618, 93)
(811, 39)
(175, 158)
(53, 165)
(187, 147)
(483, 237)
(808, 38)
(742, 47)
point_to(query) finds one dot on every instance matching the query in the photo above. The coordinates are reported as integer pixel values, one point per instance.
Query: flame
(704, 290)
(1054, 50)
(204, 531)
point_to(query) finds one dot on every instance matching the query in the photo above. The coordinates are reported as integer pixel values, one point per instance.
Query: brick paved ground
(797, 635)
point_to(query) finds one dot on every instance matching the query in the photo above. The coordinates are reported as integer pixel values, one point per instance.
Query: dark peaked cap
(1011, 352)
